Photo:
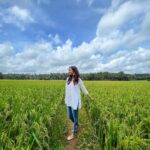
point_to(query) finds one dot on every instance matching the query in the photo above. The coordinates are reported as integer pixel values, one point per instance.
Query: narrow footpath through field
(85, 136)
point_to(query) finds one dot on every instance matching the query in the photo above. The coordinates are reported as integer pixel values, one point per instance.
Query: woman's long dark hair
(75, 77)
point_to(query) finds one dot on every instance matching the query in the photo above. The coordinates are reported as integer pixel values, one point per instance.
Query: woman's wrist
(89, 96)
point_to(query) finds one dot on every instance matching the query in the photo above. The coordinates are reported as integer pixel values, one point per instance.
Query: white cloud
(115, 47)
(126, 24)
(6, 52)
(20, 14)
(43, 58)
(135, 61)
(6, 49)
(88, 2)
(17, 16)
(115, 19)
(55, 39)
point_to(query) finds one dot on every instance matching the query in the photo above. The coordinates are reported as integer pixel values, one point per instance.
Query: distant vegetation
(86, 76)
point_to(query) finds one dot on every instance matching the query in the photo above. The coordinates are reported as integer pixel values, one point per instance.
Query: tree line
(85, 76)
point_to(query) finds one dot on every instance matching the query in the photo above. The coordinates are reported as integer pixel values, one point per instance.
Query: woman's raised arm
(85, 91)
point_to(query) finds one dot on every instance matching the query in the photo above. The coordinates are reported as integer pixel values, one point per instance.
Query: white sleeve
(81, 84)
(66, 82)
(66, 87)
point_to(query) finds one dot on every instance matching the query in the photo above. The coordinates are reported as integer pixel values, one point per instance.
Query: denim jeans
(73, 116)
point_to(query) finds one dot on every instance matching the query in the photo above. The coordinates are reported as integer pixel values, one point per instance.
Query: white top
(72, 93)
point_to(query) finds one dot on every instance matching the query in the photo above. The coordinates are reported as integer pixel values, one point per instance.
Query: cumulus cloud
(115, 19)
(42, 58)
(6, 49)
(134, 61)
(6, 52)
(55, 39)
(116, 46)
(125, 24)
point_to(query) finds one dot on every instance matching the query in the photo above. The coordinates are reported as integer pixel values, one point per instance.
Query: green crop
(33, 115)
(30, 114)
(120, 114)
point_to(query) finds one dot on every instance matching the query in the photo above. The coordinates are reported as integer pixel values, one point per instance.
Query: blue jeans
(73, 116)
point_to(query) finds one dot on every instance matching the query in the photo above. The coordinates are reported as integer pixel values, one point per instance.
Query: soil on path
(84, 126)
(72, 144)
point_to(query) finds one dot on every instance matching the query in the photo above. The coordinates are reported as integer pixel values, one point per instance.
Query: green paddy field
(33, 115)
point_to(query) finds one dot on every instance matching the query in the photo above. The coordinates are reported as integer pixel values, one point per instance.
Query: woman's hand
(90, 97)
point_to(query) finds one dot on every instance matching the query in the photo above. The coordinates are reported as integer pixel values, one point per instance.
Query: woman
(73, 97)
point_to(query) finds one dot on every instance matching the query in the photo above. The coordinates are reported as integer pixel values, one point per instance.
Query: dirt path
(86, 138)
(72, 144)
(84, 126)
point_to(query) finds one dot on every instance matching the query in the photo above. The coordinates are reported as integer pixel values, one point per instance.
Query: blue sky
(43, 36)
